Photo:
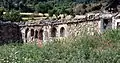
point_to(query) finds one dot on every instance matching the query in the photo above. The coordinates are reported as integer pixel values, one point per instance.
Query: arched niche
(53, 32)
(62, 32)
(36, 34)
(41, 34)
(32, 32)
(26, 33)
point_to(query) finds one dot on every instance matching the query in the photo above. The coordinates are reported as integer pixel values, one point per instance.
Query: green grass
(103, 48)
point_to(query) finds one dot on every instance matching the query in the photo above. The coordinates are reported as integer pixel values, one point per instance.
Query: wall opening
(53, 32)
(62, 32)
(36, 34)
(32, 32)
(118, 17)
(107, 24)
(118, 24)
(41, 34)
(26, 34)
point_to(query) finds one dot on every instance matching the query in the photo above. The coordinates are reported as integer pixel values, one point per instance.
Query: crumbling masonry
(45, 30)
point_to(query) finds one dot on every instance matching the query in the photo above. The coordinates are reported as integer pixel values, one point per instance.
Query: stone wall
(60, 30)
(9, 32)
(45, 30)
(88, 27)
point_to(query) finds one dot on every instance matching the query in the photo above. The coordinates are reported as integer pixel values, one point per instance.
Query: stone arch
(32, 32)
(36, 34)
(53, 32)
(62, 32)
(26, 34)
(41, 34)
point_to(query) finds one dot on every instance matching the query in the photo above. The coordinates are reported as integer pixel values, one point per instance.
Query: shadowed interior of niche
(10, 33)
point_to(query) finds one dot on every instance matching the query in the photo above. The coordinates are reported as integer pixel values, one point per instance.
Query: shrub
(50, 12)
(86, 49)
(12, 16)
(1, 12)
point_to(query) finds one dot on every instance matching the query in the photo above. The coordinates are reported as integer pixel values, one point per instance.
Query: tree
(41, 7)
(50, 12)
(12, 16)
(69, 11)
(1, 13)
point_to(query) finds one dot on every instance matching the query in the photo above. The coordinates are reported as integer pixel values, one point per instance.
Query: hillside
(52, 7)
(49, 6)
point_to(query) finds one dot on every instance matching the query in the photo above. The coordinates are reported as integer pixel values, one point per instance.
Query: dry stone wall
(48, 29)
(56, 29)
(88, 27)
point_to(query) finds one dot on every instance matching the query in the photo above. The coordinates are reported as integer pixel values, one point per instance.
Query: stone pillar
(49, 31)
(113, 23)
(23, 34)
(45, 33)
(101, 25)
(29, 36)
(57, 31)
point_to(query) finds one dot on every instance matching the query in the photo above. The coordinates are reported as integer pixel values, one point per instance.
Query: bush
(12, 16)
(50, 12)
(1, 12)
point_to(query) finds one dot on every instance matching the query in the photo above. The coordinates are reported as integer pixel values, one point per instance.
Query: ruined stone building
(45, 30)
(90, 23)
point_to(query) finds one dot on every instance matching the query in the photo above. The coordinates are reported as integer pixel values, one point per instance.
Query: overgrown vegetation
(44, 6)
(102, 48)
(57, 7)
(11, 15)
